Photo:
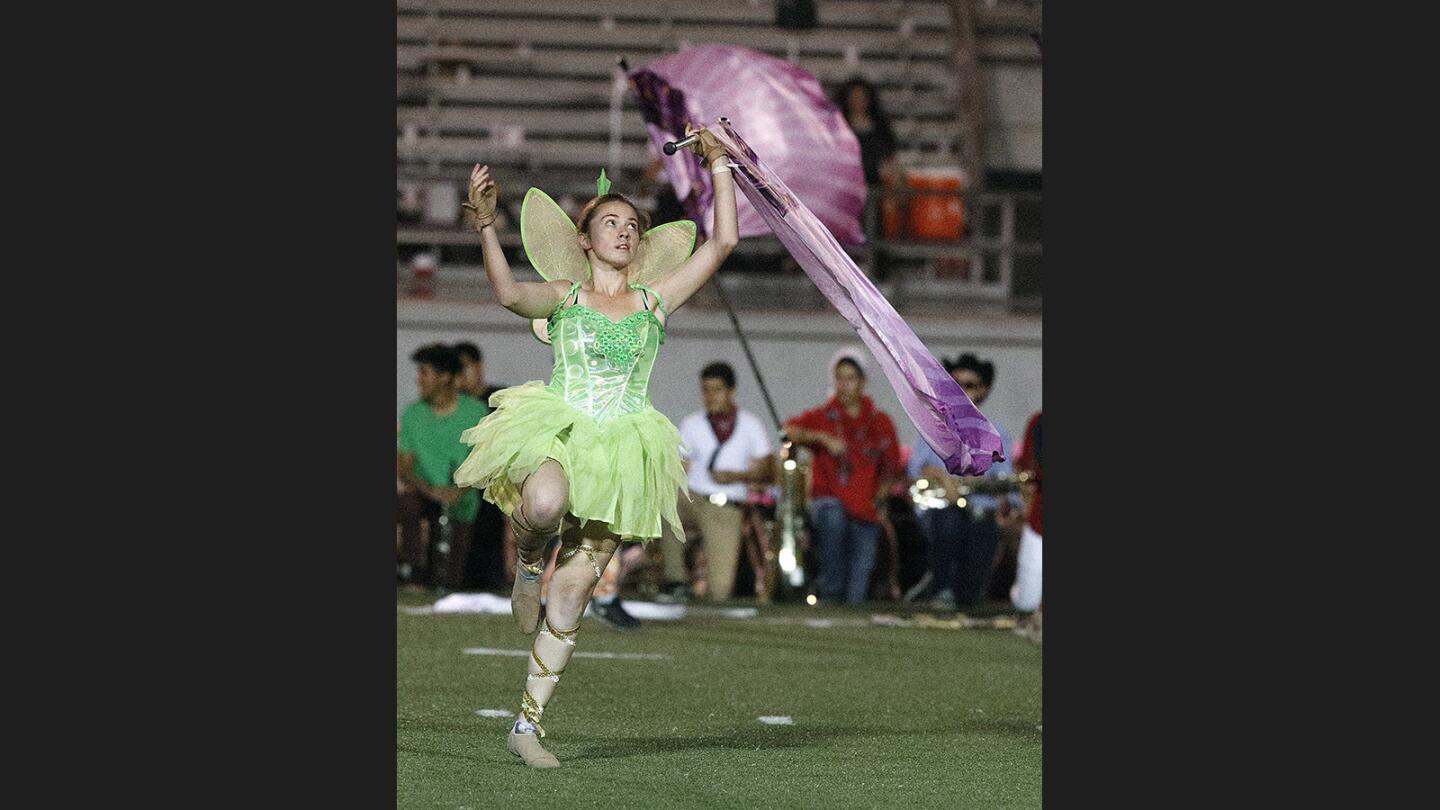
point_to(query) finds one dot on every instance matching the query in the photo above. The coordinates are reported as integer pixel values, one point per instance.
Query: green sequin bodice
(602, 367)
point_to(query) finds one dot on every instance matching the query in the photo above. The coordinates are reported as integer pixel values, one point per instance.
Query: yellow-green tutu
(627, 473)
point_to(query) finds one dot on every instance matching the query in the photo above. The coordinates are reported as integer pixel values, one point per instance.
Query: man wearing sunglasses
(962, 536)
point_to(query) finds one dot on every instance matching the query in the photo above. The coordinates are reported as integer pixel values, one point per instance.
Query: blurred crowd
(882, 522)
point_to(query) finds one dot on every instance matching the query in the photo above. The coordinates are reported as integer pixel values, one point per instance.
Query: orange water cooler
(937, 215)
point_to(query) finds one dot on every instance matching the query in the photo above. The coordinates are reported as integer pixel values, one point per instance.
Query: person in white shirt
(729, 449)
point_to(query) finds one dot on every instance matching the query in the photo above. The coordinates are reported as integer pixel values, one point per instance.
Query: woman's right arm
(528, 299)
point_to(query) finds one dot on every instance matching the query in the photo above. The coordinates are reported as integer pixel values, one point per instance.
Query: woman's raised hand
(707, 146)
(484, 194)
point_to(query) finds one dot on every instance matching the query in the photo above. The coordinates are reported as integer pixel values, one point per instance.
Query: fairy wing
(664, 248)
(549, 238)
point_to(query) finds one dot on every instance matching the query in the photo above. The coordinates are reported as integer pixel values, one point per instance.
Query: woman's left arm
(677, 287)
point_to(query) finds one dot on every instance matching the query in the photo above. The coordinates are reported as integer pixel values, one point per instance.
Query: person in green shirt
(472, 377)
(492, 544)
(428, 454)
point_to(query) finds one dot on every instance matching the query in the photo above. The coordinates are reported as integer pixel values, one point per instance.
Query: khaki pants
(719, 528)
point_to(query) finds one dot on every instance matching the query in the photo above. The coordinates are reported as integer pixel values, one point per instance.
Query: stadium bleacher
(529, 89)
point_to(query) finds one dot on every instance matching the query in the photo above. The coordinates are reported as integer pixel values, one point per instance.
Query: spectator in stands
(472, 375)
(860, 102)
(490, 559)
(429, 452)
(961, 540)
(656, 182)
(1025, 594)
(729, 450)
(447, 62)
(856, 458)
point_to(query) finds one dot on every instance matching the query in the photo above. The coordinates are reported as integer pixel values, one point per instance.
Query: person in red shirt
(1025, 594)
(856, 459)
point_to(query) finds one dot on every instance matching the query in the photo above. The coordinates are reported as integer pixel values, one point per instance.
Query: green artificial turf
(884, 716)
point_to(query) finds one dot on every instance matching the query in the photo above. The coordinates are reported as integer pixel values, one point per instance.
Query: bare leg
(544, 499)
(585, 553)
(610, 580)
(550, 563)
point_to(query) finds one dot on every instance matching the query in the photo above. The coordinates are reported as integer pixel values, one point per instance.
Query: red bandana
(723, 424)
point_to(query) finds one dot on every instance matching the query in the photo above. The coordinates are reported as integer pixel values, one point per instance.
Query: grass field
(883, 716)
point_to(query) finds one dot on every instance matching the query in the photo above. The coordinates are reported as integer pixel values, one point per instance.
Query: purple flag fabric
(937, 405)
(785, 110)
(803, 135)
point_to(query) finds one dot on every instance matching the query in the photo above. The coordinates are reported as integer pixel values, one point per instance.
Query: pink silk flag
(802, 135)
(939, 408)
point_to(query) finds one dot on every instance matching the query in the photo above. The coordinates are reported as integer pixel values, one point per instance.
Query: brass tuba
(931, 494)
(794, 475)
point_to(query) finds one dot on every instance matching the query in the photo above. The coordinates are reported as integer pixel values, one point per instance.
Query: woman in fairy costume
(585, 456)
